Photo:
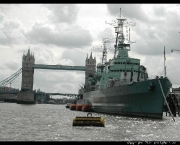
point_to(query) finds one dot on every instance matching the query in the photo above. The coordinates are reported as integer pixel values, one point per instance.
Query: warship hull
(141, 99)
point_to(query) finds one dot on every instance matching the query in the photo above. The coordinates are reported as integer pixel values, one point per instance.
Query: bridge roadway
(63, 94)
(59, 67)
(43, 66)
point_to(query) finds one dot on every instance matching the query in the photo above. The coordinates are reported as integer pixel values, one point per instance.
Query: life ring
(89, 114)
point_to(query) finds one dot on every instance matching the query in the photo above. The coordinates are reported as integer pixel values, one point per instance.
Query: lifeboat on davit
(86, 108)
(72, 107)
(79, 107)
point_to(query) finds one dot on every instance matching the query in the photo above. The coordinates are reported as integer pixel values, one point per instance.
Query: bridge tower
(90, 71)
(26, 95)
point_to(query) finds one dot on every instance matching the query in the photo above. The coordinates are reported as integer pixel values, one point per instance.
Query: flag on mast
(164, 63)
(164, 54)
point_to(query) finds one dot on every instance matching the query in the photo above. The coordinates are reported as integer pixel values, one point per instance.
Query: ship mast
(120, 39)
(104, 54)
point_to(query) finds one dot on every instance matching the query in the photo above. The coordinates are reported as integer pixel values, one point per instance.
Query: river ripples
(48, 122)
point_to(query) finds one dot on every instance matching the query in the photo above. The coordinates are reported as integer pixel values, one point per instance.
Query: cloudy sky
(65, 33)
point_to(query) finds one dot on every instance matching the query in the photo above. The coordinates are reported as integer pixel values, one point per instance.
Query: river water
(50, 122)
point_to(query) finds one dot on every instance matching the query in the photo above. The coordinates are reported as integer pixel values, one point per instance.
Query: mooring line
(165, 99)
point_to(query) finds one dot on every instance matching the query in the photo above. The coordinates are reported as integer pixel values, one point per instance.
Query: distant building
(64, 100)
(43, 98)
(51, 101)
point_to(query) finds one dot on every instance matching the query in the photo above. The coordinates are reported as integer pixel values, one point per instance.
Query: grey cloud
(11, 24)
(76, 55)
(74, 36)
(11, 33)
(13, 65)
(62, 13)
(5, 8)
(159, 10)
(2, 17)
(2, 36)
(157, 35)
(106, 33)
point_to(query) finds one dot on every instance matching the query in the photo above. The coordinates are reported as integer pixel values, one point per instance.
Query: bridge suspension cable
(11, 78)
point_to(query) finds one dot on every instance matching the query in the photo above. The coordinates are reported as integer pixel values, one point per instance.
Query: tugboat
(121, 85)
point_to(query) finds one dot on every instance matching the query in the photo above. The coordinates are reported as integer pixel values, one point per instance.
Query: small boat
(68, 105)
(88, 121)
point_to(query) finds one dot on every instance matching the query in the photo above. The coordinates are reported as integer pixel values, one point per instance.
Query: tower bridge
(26, 94)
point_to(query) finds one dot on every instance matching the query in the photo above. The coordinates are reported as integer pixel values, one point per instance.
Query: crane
(174, 50)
